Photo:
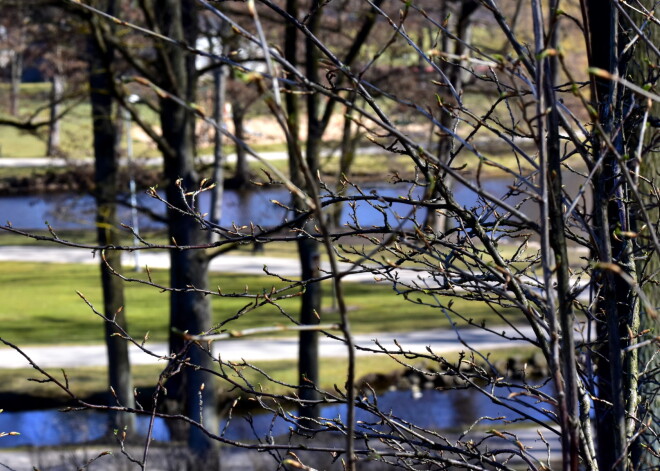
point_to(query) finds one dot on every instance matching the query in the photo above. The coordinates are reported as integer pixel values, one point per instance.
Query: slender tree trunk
(647, 449)
(219, 87)
(562, 317)
(15, 77)
(241, 175)
(642, 70)
(106, 163)
(193, 390)
(16, 61)
(53, 144)
(436, 220)
(349, 141)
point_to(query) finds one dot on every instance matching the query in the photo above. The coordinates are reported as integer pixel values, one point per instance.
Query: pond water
(429, 409)
(71, 211)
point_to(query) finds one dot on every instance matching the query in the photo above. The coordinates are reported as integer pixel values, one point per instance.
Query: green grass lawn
(40, 305)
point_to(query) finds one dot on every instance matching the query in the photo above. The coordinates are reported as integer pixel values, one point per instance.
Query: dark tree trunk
(106, 164)
(617, 310)
(308, 252)
(241, 175)
(308, 248)
(193, 390)
(610, 428)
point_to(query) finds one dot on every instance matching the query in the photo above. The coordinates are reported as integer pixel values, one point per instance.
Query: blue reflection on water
(70, 211)
(431, 409)
(53, 427)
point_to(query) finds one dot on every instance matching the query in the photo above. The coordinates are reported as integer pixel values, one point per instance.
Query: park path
(242, 264)
(269, 348)
(57, 162)
(45, 162)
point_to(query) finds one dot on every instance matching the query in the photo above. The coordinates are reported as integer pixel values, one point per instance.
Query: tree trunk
(241, 175)
(192, 390)
(219, 87)
(53, 144)
(308, 248)
(617, 309)
(647, 450)
(643, 71)
(15, 77)
(349, 141)
(436, 220)
(106, 165)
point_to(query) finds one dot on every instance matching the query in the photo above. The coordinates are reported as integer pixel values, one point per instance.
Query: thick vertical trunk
(106, 178)
(308, 356)
(562, 317)
(617, 310)
(193, 389)
(308, 248)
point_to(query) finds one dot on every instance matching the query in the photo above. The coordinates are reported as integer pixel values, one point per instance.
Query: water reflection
(431, 409)
(70, 211)
(53, 427)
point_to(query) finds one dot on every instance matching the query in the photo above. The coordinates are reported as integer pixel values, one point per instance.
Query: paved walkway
(163, 458)
(261, 349)
(35, 162)
(226, 263)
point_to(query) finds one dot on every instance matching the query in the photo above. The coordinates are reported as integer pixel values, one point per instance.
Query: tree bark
(436, 220)
(219, 87)
(642, 70)
(308, 248)
(15, 77)
(241, 174)
(193, 390)
(617, 309)
(106, 165)
(53, 145)
(308, 253)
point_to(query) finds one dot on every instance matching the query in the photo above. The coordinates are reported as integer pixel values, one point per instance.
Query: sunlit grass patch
(40, 305)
